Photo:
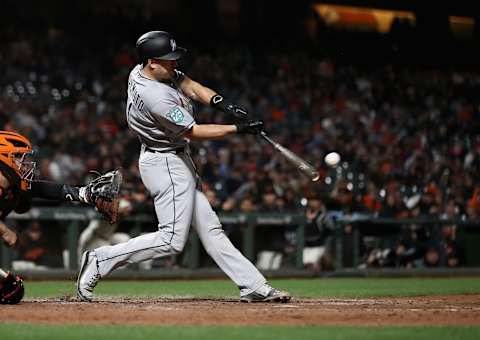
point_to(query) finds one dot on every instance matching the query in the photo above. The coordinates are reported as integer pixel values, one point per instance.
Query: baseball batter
(160, 112)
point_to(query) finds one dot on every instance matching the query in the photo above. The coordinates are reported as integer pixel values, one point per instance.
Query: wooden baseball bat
(305, 168)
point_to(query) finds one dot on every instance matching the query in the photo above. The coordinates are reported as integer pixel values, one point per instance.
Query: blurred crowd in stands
(408, 135)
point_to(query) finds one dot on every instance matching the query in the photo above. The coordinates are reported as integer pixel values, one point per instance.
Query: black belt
(174, 150)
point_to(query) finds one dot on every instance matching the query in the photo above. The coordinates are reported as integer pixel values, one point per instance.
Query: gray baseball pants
(172, 182)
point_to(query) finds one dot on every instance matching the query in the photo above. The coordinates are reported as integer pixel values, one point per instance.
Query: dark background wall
(255, 24)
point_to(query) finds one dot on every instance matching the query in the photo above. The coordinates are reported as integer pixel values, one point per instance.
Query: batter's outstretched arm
(208, 96)
(196, 91)
(210, 131)
(215, 131)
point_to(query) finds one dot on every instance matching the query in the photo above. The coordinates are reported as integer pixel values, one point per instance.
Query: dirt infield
(433, 310)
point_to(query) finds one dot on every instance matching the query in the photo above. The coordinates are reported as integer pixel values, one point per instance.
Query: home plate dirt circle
(425, 310)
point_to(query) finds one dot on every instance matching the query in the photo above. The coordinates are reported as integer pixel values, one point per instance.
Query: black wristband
(217, 102)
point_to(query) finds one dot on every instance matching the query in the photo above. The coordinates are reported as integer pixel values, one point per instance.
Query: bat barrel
(299, 163)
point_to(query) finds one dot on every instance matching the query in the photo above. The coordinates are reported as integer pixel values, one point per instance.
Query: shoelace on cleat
(93, 281)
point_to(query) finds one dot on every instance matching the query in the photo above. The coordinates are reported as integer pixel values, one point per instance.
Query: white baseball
(332, 158)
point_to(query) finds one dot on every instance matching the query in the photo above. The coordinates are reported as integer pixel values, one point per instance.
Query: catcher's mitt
(108, 209)
(102, 192)
(11, 289)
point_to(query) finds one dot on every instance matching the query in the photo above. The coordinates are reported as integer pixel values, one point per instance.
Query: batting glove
(253, 127)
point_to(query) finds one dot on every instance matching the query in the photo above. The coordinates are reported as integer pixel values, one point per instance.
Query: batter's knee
(178, 245)
(171, 243)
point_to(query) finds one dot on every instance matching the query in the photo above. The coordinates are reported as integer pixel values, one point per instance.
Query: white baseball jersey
(158, 112)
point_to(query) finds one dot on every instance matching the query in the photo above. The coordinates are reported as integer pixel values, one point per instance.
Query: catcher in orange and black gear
(11, 288)
(17, 187)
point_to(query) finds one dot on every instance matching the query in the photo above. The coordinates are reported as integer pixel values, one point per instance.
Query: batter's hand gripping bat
(299, 163)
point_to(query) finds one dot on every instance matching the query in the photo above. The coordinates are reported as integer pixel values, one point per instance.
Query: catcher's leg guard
(11, 288)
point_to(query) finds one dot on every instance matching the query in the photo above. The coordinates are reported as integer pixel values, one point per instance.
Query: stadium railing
(75, 216)
(347, 241)
(351, 240)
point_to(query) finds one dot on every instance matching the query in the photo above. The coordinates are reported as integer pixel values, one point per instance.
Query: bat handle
(264, 135)
(3, 273)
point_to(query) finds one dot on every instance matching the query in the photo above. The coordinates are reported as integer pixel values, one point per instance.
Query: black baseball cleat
(271, 295)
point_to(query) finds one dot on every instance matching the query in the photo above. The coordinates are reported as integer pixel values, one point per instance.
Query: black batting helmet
(159, 45)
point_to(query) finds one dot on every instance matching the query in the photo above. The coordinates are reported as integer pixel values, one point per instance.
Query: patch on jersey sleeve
(176, 115)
